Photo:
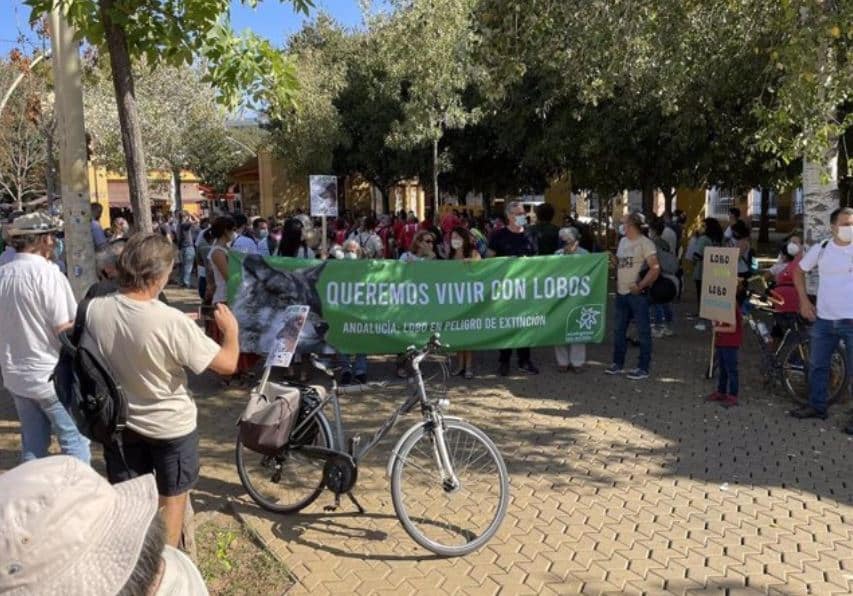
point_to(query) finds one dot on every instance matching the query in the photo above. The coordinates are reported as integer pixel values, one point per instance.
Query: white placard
(284, 346)
(324, 196)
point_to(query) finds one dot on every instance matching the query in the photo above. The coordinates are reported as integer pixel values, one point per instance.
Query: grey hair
(353, 244)
(108, 255)
(569, 234)
(147, 257)
(512, 205)
(150, 559)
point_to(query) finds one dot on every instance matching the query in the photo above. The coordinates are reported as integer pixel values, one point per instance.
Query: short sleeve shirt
(36, 299)
(245, 245)
(631, 256)
(835, 286)
(506, 243)
(148, 346)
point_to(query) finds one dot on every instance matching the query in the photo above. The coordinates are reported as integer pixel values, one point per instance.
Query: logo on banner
(584, 323)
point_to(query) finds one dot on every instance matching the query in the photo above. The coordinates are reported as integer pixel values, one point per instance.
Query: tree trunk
(648, 199)
(128, 116)
(176, 180)
(764, 226)
(820, 197)
(386, 199)
(434, 202)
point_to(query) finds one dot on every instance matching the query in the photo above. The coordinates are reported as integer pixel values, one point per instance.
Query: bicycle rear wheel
(794, 363)
(289, 481)
(450, 522)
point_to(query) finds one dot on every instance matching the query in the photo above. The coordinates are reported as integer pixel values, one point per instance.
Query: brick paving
(616, 487)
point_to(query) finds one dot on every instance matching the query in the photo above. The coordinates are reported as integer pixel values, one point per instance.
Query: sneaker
(469, 374)
(361, 379)
(728, 401)
(716, 396)
(503, 369)
(657, 332)
(529, 368)
(699, 326)
(667, 331)
(614, 369)
(807, 412)
(638, 374)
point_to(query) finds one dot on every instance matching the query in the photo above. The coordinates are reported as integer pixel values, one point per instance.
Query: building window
(720, 200)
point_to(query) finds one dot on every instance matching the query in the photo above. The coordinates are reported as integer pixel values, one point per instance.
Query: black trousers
(523, 355)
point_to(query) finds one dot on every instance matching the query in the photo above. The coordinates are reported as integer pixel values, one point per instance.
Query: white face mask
(793, 249)
(457, 243)
(521, 220)
(621, 229)
(845, 233)
(350, 255)
(728, 234)
(338, 254)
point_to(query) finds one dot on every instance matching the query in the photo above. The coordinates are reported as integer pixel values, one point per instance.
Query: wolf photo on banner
(324, 196)
(382, 307)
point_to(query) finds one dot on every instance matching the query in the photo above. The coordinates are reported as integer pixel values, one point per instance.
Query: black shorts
(174, 462)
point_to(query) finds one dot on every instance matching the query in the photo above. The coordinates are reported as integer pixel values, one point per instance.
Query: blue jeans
(40, 417)
(727, 363)
(636, 307)
(825, 335)
(356, 365)
(187, 262)
(663, 313)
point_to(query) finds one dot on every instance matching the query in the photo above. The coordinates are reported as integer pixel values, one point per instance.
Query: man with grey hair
(513, 241)
(38, 305)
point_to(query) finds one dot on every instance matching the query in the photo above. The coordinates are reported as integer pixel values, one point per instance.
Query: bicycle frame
(418, 395)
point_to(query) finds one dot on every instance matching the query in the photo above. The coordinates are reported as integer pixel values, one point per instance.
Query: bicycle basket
(266, 424)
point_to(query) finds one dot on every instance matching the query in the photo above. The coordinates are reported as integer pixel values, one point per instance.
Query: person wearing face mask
(570, 358)
(223, 231)
(261, 233)
(462, 248)
(833, 317)
(147, 347)
(513, 241)
(38, 305)
(786, 304)
(422, 247)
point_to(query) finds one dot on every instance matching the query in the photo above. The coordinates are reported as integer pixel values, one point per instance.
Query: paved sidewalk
(617, 487)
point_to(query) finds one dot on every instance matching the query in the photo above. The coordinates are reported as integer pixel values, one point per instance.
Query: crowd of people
(148, 346)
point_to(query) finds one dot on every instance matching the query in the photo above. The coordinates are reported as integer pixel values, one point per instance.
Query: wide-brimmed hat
(65, 530)
(34, 223)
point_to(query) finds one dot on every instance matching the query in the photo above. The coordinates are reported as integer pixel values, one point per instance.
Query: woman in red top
(786, 302)
(728, 339)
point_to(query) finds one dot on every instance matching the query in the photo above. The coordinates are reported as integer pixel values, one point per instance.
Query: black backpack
(87, 388)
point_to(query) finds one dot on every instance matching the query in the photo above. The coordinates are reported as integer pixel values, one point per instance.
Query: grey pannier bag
(266, 424)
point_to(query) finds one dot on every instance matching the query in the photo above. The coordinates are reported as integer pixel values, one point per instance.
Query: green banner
(381, 307)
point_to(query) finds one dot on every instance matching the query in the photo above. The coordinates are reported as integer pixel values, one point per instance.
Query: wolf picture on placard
(261, 305)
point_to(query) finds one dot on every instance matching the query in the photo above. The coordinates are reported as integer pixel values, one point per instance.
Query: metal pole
(74, 181)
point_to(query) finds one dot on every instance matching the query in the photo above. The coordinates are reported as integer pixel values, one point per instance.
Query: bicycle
(434, 466)
(788, 363)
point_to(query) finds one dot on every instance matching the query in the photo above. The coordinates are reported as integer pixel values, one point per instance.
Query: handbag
(266, 423)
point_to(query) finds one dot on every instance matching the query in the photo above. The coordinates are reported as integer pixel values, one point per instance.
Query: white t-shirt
(631, 255)
(36, 299)
(180, 576)
(835, 286)
(147, 345)
(245, 245)
(668, 236)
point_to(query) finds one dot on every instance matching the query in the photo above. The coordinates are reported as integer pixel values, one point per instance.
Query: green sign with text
(381, 307)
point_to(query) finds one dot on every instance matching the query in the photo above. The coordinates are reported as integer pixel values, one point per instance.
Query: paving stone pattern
(617, 487)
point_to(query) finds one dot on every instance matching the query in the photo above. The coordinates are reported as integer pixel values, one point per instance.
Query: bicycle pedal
(334, 506)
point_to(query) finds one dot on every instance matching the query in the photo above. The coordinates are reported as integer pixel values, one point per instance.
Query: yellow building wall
(98, 192)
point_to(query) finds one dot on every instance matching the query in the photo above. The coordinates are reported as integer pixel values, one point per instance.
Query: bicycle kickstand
(356, 503)
(336, 504)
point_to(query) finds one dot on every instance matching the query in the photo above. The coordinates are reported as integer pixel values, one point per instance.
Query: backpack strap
(80, 321)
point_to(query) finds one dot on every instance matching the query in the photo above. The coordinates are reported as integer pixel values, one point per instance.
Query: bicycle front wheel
(447, 522)
(289, 481)
(794, 362)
